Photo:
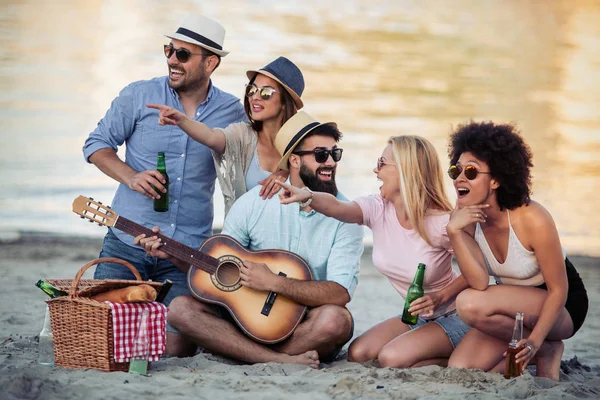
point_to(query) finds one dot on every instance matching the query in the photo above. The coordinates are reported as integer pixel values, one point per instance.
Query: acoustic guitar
(214, 275)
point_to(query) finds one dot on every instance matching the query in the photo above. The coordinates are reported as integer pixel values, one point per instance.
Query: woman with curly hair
(497, 230)
(408, 218)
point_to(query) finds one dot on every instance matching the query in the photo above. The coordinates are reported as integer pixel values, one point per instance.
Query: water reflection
(378, 68)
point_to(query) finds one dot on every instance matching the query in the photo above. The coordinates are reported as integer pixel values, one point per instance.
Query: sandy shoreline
(32, 256)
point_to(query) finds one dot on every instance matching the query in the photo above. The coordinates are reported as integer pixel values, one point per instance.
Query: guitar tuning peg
(91, 221)
(99, 202)
(109, 207)
(82, 217)
(91, 198)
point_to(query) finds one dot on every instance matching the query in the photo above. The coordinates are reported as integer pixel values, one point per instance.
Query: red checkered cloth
(126, 320)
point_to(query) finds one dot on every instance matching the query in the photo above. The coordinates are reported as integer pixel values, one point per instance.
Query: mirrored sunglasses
(470, 172)
(182, 55)
(265, 92)
(321, 155)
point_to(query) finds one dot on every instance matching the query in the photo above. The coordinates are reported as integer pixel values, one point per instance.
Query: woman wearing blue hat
(245, 154)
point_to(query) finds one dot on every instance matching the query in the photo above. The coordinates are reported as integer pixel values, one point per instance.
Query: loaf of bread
(130, 294)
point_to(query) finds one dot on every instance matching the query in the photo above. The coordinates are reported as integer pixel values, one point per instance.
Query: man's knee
(183, 309)
(333, 322)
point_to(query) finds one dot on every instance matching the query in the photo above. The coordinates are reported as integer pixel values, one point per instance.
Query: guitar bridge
(266, 310)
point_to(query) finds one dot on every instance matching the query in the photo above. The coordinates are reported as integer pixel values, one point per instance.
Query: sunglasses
(265, 92)
(321, 155)
(183, 55)
(470, 172)
(381, 162)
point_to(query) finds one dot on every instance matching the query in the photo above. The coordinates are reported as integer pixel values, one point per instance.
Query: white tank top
(520, 267)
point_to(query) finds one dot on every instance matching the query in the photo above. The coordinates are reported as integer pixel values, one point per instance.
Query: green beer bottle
(415, 290)
(50, 290)
(162, 204)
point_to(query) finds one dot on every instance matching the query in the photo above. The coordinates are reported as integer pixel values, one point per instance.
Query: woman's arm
(325, 203)
(468, 255)
(213, 138)
(543, 238)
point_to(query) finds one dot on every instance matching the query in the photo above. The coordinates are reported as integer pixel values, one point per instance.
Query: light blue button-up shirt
(189, 164)
(331, 248)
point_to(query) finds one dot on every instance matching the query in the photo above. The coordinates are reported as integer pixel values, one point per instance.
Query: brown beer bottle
(512, 369)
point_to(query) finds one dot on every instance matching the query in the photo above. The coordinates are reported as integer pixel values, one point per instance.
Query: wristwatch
(307, 202)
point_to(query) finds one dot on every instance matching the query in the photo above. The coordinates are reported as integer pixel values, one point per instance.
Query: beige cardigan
(240, 143)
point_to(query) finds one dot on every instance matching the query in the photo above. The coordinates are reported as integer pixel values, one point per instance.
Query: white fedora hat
(292, 133)
(202, 31)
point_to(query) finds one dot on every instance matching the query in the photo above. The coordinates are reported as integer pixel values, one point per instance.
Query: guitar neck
(170, 246)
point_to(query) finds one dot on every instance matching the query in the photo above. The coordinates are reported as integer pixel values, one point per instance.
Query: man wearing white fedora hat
(331, 248)
(194, 52)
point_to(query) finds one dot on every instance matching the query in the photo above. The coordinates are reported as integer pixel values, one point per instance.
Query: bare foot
(310, 358)
(548, 358)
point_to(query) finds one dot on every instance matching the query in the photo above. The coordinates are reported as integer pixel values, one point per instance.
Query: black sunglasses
(470, 172)
(265, 92)
(183, 55)
(321, 155)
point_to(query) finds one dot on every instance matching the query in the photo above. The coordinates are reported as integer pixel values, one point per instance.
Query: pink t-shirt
(398, 251)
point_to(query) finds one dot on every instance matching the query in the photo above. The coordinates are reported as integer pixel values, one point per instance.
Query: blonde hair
(421, 179)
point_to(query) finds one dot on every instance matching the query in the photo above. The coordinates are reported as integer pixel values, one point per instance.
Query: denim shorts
(150, 268)
(454, 327)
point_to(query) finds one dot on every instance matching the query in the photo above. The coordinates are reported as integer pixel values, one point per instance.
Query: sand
(27, 257)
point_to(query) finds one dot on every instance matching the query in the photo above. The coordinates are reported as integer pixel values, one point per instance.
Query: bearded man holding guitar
(331, 248)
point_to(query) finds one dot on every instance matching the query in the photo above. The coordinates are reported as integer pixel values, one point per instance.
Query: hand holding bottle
(144, 182)
(527, 351)
(425, 306)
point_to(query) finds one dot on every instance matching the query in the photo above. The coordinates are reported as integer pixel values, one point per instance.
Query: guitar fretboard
(170, 246)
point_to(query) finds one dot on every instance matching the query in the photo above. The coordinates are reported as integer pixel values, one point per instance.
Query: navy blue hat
(287, 74)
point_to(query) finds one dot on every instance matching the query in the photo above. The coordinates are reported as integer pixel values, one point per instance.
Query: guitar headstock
(94, 211)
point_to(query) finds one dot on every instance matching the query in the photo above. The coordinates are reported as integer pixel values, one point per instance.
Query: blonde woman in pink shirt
(408, 219)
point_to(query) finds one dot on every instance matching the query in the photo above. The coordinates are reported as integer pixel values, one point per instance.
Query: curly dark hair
(503, 149)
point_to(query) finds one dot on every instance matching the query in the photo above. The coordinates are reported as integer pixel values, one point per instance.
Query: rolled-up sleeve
(343, 264)
(116, 126)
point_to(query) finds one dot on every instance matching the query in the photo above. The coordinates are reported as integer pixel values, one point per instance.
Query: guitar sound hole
(228, 274)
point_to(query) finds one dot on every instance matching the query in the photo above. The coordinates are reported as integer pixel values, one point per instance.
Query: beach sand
(26, 258)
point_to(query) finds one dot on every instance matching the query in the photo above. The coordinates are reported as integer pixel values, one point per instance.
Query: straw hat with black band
(292, 133)
(287, 74)
(202, 31)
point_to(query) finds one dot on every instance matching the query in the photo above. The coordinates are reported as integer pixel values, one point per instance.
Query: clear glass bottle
(512, 369)
(141, 347)
(46, 343)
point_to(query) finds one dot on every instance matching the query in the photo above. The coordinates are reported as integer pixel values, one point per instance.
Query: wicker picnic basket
(82, 327)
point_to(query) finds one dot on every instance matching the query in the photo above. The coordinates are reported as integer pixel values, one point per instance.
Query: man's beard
(189, 85)
(315, 184)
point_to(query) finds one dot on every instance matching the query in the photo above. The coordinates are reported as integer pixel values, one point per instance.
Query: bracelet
(307, 202)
